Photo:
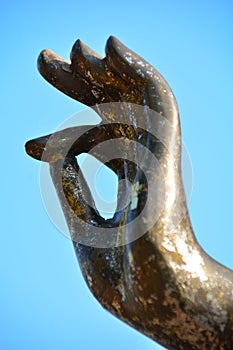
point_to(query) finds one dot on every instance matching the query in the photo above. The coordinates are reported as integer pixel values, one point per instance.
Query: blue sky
(44, 302)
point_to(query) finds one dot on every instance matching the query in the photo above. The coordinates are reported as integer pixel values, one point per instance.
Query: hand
(161, 282)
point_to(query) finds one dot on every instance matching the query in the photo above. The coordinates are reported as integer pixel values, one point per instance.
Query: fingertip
(76, 49)
(35, 148)
(81, 50)
(113, 45)
(46, 57)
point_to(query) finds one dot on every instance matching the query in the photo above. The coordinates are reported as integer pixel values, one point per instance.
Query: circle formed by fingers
(139, 149)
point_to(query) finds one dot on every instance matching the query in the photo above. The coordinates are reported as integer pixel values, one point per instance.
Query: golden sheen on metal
(162, 283)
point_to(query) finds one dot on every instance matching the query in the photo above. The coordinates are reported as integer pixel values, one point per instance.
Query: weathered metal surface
(163, 283)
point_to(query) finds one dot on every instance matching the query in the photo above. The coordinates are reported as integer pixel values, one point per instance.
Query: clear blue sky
(44, 302)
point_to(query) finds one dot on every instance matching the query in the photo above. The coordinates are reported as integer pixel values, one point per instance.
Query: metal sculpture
(160, 282)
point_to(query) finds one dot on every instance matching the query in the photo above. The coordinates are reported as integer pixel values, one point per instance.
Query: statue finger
(58, 72)
(155, 91)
